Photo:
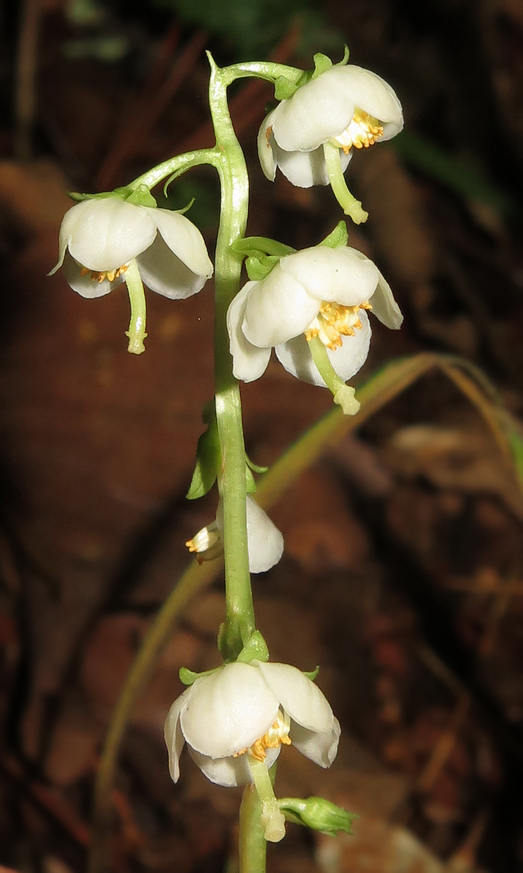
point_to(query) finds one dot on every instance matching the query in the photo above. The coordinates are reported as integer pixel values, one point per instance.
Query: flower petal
(266, 148)
(320, 747)
(298, 695)
(264, 540)
(371, 93)
(164, 272)
(173, 734)
(278, 308)
(342, 275)
(296, 358)
(305, 169)
(314, 114)
(228, 710)
(184, 240)
(230, 771)
(385, 307)
(83, 284)
(249, 362)
(103, 235)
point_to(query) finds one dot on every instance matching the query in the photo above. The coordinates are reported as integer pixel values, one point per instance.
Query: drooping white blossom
(346, 106)
(318, 292)
(264, 540)
(242, 713)
(100, 238)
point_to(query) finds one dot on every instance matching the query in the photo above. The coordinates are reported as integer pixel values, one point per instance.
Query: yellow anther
(333, 321)
(111, 275)
(362, 132)
(276, 736)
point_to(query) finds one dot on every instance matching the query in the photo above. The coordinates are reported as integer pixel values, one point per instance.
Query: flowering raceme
(239, 716)
(101, 238)
(311, 135)
(312, 302)
(264, 540)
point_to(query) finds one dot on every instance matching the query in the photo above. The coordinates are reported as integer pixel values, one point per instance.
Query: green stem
(267, 70)
(175, 167)
(252, 842)
(239, 621)
(347, 201)
(136, 332)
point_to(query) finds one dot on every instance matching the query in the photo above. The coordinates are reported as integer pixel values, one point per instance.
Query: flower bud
(318, 814)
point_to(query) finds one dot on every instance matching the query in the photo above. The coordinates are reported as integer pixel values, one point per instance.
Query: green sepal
(255, 649)
(321, 64)
(345, 58)
(317, 813)
(139, 196)
(261, 245)
(312, 675)
(338, 238)
(208, 456)
(284, 88)
(255, 467)
(250, 484)
(187, 677)
(258, 268)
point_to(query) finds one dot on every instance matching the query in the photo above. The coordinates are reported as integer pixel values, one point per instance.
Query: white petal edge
(264, 540)
(314, 114)
(347, 360)
(299, 696)
(318, 747)
(249, 361)
(228, 711)
(106, 234)
(174, 738)
(278, 308)
(384, 306)
(184, 240)
(229, 772)
(83, 284)
(341, 275)
(265, 148)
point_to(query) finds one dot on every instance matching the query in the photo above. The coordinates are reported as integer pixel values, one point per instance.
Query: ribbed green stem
(239, 622)
(136, 332)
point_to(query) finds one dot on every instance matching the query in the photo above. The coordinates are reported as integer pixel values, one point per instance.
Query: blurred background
(403, 570)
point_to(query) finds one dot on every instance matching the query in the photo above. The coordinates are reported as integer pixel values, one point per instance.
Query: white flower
(346, 106)
(264, 540)
(100, 238)
(241, 714)
(315, 294)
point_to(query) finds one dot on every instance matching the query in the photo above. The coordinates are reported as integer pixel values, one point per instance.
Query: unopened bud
(318, 814)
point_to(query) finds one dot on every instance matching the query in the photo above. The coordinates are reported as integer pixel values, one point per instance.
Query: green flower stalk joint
(107, 240)
(236, 719)
(264, 540)
(311, 136)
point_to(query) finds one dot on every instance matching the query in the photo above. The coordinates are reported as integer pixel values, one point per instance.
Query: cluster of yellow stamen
(276, 736)
(334, 321)
(362, 132)
(111, 275)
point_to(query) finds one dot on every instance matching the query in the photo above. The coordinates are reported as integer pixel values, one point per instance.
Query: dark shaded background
(402, 575)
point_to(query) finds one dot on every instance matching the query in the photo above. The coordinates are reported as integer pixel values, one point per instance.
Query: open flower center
(111, 275)
(333, 321)
(362, 132)
(276, 736)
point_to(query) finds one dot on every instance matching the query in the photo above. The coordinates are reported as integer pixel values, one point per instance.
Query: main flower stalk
(239, 622)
